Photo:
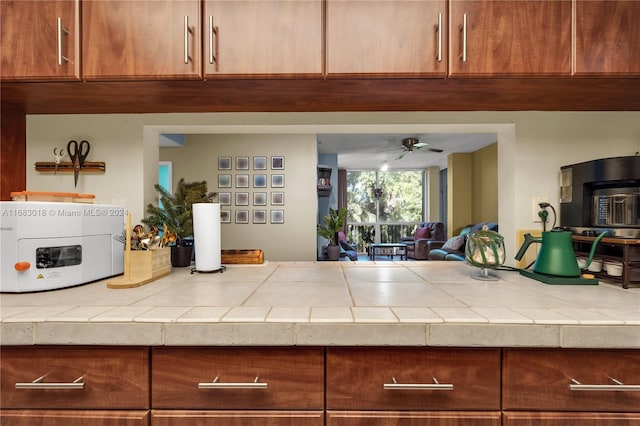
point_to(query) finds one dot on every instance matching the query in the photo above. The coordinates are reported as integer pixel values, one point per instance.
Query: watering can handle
(593, 249)
(528, 239)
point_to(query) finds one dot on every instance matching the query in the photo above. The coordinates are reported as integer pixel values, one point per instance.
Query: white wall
(115, 139)
(532, 146)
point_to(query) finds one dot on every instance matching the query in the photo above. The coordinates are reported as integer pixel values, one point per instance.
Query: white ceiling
(370, 151)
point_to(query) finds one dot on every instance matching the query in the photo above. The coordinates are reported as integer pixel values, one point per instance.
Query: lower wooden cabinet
(237, 418)
(413, 386)
(571, 387)
(74, 386)
(74, 418)
(238, 386)
(569, 419)
(410, 418)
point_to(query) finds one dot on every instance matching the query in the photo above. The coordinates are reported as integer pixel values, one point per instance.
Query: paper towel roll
(206, 236)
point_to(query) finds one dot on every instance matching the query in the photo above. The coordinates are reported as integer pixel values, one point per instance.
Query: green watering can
(556, 256)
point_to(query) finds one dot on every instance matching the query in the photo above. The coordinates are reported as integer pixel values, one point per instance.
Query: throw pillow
(454, 243)
(341, 236)
(421, 233)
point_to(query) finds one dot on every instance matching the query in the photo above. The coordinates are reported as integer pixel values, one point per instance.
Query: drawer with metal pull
(413, 379)
(74, 377)
(238, 378)
(571, 380)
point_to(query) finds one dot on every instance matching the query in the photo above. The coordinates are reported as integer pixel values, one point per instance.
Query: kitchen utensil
(556, 262)
(78, 153)
(59, 155)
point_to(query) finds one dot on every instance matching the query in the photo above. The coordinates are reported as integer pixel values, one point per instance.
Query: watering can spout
(593, 249)
(528, 239)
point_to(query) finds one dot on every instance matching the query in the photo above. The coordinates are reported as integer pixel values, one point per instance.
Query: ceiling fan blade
(419, 145)
(402, 154)
(435, 149)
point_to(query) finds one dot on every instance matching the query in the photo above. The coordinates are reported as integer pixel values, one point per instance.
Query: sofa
(453, 248)
(419, 245)
(347, 249)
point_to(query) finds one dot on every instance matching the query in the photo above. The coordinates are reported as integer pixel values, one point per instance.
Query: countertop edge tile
(229, 334)
(361, 334)
(494, 335)
(138, 334)
(601, 336)
(17, 333)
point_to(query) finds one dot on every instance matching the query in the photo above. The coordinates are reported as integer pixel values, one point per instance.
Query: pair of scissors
(78, 153)
(59, 155)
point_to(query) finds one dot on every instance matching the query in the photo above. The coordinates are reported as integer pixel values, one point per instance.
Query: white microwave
(51, 245)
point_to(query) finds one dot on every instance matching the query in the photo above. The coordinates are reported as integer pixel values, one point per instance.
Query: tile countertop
(329, 303)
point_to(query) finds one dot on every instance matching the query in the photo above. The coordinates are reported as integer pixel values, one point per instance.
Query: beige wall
(485, 184)
(459, 192)
(198, 160)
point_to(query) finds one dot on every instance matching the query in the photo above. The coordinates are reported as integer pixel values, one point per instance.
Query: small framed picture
(277, 163)
(242, 216)
(224, 181)
(242, 198)
(225, 216)
(277, 181)
(224, 163)
(259, 216)
(259, 181)
(242, 181)
(242, 163)
(277, 216)
(277, 198)
(259, 198)
(224, 198)
(259, 163)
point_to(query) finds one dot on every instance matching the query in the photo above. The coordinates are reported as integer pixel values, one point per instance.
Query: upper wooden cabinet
(142, 39)
(510, 38)
(262, 38)
(607, 37)
(40, 40)
(386, 38)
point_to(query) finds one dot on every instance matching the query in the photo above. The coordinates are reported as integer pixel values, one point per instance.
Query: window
(383, 206)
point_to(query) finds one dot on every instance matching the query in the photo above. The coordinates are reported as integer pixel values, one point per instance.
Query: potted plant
(176, 211)
(332, 224)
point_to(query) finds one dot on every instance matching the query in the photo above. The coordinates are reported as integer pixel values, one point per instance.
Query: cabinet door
(413, 379)
(263, 38)
(569, 419)
(386, 38)
(74, 377)
(242, 378)
(237, 418)
(74, 418)
(413, 418)
(607, 37)
(40, 40)
(142, 39)
(510, 38)
(571, 380)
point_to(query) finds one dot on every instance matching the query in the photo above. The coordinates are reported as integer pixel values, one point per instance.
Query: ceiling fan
(411, 144)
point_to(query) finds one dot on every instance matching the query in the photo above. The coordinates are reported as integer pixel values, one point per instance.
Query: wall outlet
(535, 208)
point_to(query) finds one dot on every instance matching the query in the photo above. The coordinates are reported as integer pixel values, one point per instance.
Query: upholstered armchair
(426, 235)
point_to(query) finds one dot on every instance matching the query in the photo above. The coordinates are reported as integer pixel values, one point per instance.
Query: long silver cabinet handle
(61, 30)
(617, 386)
(187, 30)
(216, 384)
(213, 41)
(439, 57)
(418, 386)
(464, 38)
(39, 383)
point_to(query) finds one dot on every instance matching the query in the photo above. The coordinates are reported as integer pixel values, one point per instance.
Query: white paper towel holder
(206, 233)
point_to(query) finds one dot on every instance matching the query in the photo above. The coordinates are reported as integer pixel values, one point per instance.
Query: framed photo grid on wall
(251, 189)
